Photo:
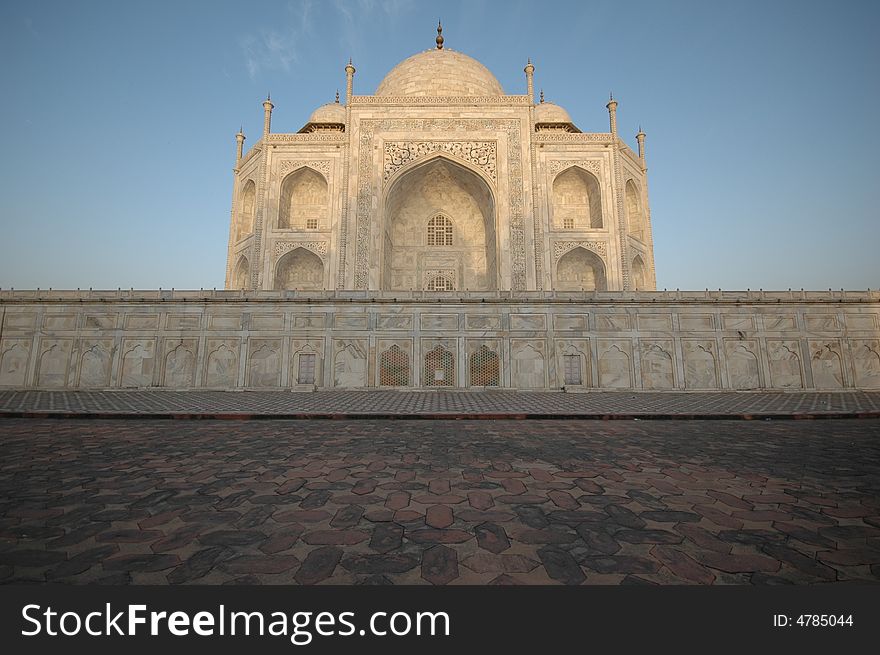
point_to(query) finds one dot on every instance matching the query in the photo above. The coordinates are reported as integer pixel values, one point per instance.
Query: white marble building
(440, 234)
(440, 181)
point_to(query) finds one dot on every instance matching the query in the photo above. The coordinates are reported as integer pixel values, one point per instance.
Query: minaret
(239, 147)
(349, 81)
(530, 81)
(612, 114)
(267, 115)
(640, 137)
(439, 38)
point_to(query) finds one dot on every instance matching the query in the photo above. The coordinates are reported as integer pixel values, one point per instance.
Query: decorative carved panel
(482, 154)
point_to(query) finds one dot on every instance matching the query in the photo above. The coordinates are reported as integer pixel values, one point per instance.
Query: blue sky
(119, 121)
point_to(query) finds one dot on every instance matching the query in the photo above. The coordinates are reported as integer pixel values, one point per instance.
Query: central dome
(440, 73)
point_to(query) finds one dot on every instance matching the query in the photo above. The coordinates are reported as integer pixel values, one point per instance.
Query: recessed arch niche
(634, 215)
(439, 187)
(577, 201)
(580, 270)
(304, 200)
(299, 269)
(245, 223)
(240, 273)
(639, 274)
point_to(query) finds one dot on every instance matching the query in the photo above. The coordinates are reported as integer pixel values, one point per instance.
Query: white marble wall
(257, 340)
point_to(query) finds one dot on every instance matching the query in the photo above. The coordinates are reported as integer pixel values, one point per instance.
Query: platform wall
(274, 340)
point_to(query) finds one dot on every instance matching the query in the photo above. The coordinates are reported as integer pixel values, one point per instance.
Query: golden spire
(337, 96)
(439, 36)
(542, 95)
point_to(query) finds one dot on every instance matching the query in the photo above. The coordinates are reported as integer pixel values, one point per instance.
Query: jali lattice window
(568, 223)
(440, 231)
(439, 368)
(572, 368)
(306, 373)
(439, 283)
(394, 368)
(311, 223)
(484, 368)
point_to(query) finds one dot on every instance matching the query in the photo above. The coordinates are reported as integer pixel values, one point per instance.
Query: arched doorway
(299, 269)
(439, 226)
(580, 270)
(577, 201)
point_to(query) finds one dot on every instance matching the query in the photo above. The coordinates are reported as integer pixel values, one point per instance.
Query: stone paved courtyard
(439, 502)
(397, 404)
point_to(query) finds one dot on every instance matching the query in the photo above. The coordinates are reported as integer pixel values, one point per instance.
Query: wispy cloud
(274, 49)
(355, 13)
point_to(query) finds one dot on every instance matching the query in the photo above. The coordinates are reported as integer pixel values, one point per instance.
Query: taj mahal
(440, 233)
(441, 181)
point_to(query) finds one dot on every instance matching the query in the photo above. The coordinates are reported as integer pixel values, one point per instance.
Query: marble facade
(442, 340)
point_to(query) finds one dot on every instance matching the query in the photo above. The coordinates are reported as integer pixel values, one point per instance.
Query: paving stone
(335, 537)
(232, 538)
(408, 516)
(486, 563)
(850, 556)
(751, 537)
(738, 563)
(564, 500)
(392, 563)
(573, 518)
(439, 516)
(532, 516)
(439, 565)
(315, 499)
(386, 537)
(81, 562)
(397, 500)
(318, 565)
(847, 532)
(199, 564)
(703, 538)
(522, 499)
(32, 557)
(624, 517)
(628, 564)
(729, 499)
(480, 500)
(347, 517)
(549, 536)
(647, 536)
(800, 561)
(597, 539)
(142, 563)
(128, 536)
(160, 519)
(669, 516)
(177, 539)
(682, 565)
(491, 537)
(432, 536)
(79, 534)
(301, 516)
(560, 565)
(260, 564)
(364, 487)
(481, 517)
(718, 517)
(437, 499)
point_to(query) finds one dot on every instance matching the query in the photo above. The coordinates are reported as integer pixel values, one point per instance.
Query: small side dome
(550, 116)
(326, 117)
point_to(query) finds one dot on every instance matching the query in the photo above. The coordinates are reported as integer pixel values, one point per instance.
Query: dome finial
(542, 96)
(337, 96)
(439, 35)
